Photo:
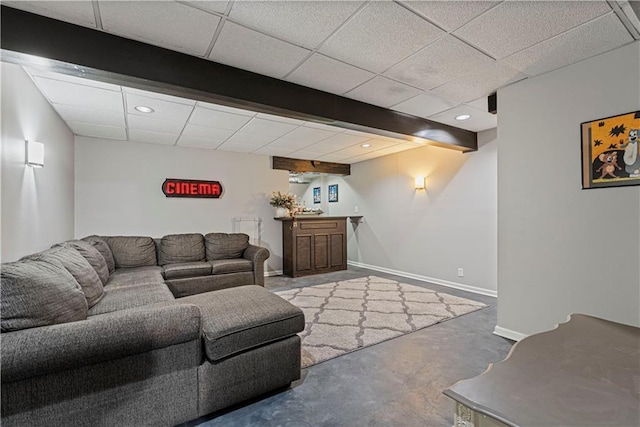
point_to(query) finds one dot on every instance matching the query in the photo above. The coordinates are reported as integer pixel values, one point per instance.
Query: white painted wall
(426, 234)
(118, 191)
(37, 204)
(562, 249)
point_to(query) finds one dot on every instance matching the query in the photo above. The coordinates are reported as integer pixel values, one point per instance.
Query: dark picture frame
(611, 151)
(317, 198)
(333, 193)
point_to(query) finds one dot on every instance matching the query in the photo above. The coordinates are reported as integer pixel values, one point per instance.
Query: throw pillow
(101, 245)
(92, 255)
(39, 293)
(132, 251)
(79, 268)
(176, 248)
(225, 246)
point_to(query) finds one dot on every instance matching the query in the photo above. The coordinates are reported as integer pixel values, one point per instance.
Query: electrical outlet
(461, 272)
(356, 209)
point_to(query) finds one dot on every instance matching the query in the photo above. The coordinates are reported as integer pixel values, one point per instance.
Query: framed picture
(333, 193)
(316, 195)
(610, 156)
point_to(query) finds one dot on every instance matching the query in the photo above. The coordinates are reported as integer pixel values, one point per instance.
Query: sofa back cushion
(39, 293)
(132, 251)
(176, 248)
(79, 268)
(92, 255)
(225, 246)
(101, 245)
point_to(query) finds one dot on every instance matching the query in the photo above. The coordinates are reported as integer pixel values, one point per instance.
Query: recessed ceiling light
(144, 109)
(365, 145)
(463, 117)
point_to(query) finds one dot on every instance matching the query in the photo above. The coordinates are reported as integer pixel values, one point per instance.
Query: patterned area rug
(346, 316)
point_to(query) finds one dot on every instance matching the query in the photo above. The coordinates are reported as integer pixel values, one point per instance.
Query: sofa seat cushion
(79, 268)
(126, 277)
(186, 269)
(39, 293)
(224, 266)
(116, 299)
(179, 248)
(225, 246)
(238, 319)
(132, 251)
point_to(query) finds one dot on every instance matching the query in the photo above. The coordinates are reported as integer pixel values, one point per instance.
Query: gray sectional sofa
(136, 331)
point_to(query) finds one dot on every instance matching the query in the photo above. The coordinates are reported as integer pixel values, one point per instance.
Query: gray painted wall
(427, 234)
(37, 204)
(118, 191)
(563, 249)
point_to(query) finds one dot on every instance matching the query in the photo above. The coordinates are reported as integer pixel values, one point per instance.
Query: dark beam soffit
(299, 165)
(97, 55)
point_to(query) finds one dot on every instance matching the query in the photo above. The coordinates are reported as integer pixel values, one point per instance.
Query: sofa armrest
(258, 255)
(38, 351)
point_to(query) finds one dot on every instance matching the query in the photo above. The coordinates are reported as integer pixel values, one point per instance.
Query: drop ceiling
(434, 60)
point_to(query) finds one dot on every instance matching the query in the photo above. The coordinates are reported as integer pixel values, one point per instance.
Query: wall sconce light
(34, 154)
(419, 183)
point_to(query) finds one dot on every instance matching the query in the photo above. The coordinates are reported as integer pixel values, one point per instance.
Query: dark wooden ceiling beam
(105, 57)
(299, 165)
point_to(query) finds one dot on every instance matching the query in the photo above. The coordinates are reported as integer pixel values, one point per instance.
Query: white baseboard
(273, 273)
(508, 333)
(441, 282)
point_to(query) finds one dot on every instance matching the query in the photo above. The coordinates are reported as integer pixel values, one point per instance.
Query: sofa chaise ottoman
(90, 336)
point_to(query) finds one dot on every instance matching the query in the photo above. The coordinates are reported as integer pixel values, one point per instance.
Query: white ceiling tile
(309, 134)
(442, 61)
(215, 135)
(76, 12)
(268, 128)
(167, 24)
(163, 110)
(396, 149)
(307, 155)
(160, 96)
(61, 92)
(342, 140)
(273, 151)
(303, 22)
(280, 119)
(591, 39)
(329, 75)
(480, 120)
(151, 124)
(378, 144)
(332, 157)
(226, 109)
(237, 148)
(380, 35)
(481, 104)
(423, 105)
(482, 83)
(516, 25)
(210, 5)
(217, 119)
(361, 158)
(260, 53)
(72, 79)
(96, 116)
(290, 144)
(383, 92)
(322, 126)
(248, 138)
(98, 131)
(152, 137)
(195, 142)
(450, 15)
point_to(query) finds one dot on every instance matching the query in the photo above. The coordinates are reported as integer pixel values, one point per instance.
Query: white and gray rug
(345, 316)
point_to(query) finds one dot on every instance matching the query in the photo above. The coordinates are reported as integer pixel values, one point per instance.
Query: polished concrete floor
(395, 383)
